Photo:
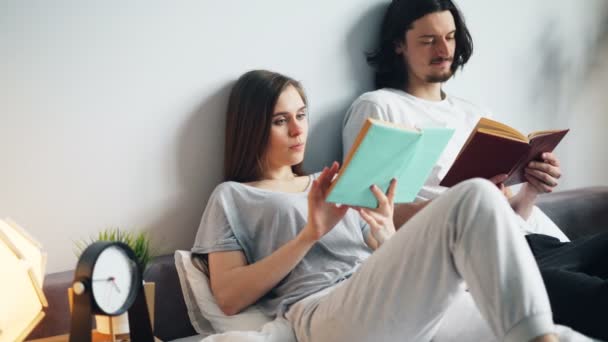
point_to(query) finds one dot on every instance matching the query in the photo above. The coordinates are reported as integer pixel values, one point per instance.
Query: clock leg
(80, 325)
(139, 319)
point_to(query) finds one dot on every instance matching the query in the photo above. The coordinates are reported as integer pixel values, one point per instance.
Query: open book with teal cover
(383, 151)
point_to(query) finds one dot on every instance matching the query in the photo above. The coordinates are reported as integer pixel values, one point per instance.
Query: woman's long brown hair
(248, 119)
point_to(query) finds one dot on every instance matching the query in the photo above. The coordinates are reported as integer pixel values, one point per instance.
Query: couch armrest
(171, 319)
(578, 212)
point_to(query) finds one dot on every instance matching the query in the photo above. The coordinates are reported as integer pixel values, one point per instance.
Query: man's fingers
(550, 158)
(540, 186)
(554, 171)
(499, 178)
(542, 176)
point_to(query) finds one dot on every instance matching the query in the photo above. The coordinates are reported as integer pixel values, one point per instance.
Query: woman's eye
(279, 122)
(301, 116)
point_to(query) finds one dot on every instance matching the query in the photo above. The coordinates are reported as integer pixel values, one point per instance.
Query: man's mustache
(441, 59)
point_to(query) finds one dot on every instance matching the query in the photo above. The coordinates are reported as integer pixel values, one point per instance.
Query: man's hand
(498, 180)
(542, 175)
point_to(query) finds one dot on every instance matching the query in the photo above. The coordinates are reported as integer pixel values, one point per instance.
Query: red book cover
(485, 156)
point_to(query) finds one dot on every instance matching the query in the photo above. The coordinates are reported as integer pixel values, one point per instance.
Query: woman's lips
(297, 147)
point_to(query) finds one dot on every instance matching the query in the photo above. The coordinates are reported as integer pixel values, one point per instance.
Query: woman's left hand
(380, 219)
(542, 175)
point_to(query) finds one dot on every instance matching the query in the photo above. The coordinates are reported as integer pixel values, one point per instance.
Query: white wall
(111, 112)
(544, 65)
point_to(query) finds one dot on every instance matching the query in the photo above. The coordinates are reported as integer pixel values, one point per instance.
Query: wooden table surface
(96, 337)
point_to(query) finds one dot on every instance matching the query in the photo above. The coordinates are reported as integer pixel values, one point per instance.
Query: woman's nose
(296, 129)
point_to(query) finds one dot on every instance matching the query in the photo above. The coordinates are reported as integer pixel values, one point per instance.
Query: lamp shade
(21, 277)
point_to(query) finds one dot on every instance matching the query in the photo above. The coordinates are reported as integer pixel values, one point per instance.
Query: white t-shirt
(397, 106)
(239, 217)
(400, 107)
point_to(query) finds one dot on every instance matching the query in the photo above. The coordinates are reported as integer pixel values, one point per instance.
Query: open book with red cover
(494, 148)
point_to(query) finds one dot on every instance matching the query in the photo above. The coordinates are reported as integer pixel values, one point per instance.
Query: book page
(541, 133)
(495, 128)
(500, 129)
(505, 135)
(393, 124)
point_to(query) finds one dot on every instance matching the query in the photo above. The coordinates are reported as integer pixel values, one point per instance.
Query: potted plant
(139, 242)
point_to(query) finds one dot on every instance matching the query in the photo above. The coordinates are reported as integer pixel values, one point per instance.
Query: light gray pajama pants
(401, 292)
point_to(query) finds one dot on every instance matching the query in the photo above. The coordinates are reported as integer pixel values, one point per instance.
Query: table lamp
(21, 277)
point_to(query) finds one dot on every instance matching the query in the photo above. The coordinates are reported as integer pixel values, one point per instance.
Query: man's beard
(443, 77)
(439, 78)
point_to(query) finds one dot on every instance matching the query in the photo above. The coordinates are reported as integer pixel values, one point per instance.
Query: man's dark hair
(390, 71)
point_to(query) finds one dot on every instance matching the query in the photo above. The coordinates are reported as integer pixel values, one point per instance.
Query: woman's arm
(236, 285)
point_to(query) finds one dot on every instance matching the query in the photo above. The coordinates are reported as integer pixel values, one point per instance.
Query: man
(422, 44)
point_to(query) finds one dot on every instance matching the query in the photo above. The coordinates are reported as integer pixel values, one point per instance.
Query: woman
(344, 274)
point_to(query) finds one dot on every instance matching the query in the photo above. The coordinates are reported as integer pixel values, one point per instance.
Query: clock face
(112, 280)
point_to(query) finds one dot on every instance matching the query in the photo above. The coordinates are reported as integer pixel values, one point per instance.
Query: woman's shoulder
(224, 189)
(225, 186)
(246, 190)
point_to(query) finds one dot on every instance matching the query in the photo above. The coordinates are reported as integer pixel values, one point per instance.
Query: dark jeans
(576, 277)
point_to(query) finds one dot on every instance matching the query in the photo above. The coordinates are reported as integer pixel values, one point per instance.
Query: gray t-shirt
(257, 222)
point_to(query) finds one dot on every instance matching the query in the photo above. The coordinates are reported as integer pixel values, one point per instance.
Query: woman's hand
(322, 216)
(380, 220)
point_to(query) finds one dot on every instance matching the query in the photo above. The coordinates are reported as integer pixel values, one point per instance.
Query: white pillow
(205, 315)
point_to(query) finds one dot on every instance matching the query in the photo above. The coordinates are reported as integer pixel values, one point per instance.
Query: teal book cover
(383, 151)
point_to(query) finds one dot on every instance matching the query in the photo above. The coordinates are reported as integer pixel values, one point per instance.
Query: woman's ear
(399, 46)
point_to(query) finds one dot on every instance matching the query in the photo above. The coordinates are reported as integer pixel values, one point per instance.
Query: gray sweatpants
(400, 293)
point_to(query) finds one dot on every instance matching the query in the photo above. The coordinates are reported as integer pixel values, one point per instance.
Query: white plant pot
(120, 324)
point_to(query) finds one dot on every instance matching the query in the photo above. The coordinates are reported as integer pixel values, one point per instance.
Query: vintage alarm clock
(108, 281)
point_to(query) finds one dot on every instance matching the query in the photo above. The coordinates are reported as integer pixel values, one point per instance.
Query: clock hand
(116, 286)
(105, 279)
(108, 295)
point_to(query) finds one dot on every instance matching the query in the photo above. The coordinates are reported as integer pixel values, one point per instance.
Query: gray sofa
(577, 212)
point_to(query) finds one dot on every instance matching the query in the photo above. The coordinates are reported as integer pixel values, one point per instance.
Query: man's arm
(542, 177)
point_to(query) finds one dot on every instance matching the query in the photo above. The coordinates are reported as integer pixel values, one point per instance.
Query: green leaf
(139, 242)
